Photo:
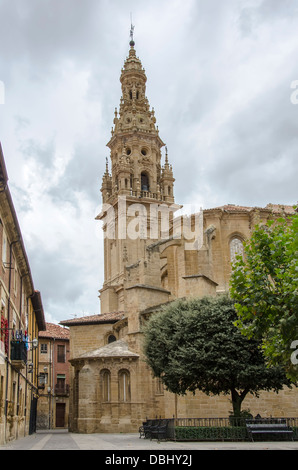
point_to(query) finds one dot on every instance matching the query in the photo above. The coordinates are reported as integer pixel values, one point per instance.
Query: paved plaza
(64, 440)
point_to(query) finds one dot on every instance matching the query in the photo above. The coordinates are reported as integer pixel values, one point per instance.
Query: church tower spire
(135, 145)
(137, 182)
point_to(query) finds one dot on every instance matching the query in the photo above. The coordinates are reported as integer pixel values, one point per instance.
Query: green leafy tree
(264, 286)
(194, 345)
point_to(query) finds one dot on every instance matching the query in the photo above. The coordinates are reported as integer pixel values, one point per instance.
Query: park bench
(154, 429)
(277, 427)
(145, 429)
(159, 431)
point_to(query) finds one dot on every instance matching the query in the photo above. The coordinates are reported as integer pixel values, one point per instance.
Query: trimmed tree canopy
(194, 345)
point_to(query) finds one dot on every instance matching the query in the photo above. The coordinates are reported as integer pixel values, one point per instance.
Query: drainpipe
(52, 393)
(20, 310)
(51, 382)
(26, 389)
(8, 352)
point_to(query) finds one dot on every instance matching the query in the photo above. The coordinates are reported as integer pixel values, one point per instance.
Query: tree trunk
(236, 402)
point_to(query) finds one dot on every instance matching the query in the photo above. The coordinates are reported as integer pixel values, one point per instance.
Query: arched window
(144, 182)
(236, 248)
(105, 376)
(124, 385)
(111, 339)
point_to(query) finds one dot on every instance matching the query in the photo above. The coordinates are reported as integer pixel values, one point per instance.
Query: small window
(4, 247)
(105, 376)
(61, 381)
(16, 273)
(159, 387)
(43, 348)
(61, 353)
(124, 385)
(236, 248)
(144, 182)
(111, 339)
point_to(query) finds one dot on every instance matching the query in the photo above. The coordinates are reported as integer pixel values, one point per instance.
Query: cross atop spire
(132, 43)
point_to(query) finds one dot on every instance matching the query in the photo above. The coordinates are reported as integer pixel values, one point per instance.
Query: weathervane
(131, 31)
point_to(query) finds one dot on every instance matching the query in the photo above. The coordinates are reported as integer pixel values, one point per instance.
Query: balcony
(18, 354)
(62, 389)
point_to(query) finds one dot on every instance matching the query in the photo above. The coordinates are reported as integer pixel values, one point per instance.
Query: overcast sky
(219, 78)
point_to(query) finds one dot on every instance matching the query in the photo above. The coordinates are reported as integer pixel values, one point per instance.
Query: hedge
(213, 433)
(218, 433)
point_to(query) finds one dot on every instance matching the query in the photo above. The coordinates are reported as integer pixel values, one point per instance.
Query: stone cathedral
(151, 257)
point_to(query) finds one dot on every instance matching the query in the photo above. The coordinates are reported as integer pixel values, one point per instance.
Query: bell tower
(137, 182)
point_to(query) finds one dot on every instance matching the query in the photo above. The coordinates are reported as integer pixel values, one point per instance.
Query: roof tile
(54, 331)
(100, 318)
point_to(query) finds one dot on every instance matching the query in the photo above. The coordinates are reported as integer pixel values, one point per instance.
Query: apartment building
(22, 318)
(53, 385)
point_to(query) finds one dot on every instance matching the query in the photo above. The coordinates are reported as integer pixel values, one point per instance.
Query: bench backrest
(267, 426)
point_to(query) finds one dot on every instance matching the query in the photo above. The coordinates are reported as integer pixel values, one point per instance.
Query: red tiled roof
(54, 331)
(111, 317)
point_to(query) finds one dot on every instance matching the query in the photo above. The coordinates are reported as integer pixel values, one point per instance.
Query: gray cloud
(82, 174)
(219, 76)
(42, 153)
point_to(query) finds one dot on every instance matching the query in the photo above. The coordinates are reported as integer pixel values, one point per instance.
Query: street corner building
(152, 256)
(53, 378)
(22, 318)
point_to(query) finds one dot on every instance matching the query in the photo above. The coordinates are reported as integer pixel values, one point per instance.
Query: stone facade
(22, 317)
(152, 256)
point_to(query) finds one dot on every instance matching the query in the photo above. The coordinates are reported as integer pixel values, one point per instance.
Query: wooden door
(60, 415)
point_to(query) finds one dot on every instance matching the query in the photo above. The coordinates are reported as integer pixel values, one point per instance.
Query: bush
(211, 433)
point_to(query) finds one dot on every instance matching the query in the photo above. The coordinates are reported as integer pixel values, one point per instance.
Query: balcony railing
(61, 389)
(18, 353)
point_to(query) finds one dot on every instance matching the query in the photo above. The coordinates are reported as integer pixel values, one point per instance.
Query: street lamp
(34, 343)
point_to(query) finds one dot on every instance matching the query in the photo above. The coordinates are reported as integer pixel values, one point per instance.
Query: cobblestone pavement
(64, 440)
